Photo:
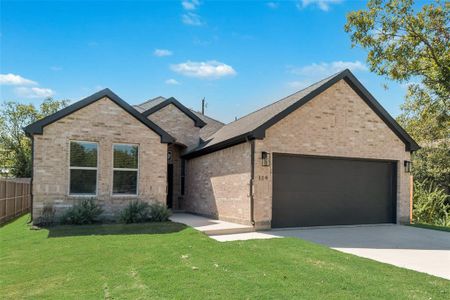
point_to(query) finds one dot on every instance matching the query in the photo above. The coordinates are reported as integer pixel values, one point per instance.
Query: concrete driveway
(418, 249)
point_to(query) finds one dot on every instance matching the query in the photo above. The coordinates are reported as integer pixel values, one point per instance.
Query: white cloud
(192, 19)
(33, 92)
(172, 81)
(325, 69)
(207, 70)
(190, 4)
(273, 5)
(162, 52)
(321, 4)
(12, 79)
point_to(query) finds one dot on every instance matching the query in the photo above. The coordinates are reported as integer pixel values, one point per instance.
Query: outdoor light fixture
(265, 157)
(408, 166)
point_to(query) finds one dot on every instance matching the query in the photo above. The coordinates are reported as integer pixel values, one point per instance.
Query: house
(326, 155)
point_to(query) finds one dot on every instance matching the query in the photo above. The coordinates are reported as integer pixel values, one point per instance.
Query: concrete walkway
(418, 249)
(210, 226)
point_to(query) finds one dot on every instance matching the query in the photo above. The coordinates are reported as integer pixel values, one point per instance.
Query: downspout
(252, 179)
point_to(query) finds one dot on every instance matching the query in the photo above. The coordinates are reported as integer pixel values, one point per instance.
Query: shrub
(135, 212)
(47, 218)
(139, 212)
(86, 212)
(431, 204)
(159, 212)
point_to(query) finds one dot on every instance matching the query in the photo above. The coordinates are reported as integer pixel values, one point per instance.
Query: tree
(404, 44)
(15, 145)
(410, 46)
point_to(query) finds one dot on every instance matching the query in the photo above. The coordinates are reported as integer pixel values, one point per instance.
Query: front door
(169, 185)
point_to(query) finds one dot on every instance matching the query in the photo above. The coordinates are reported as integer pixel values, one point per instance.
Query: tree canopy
(15, 146)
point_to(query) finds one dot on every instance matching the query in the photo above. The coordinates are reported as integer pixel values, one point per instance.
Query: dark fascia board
(198, 122)
(260, 132)
(38, 126)
(219, 146)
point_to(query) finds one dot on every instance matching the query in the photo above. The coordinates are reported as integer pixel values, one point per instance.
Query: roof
(158, 103)
(211, 127)
(254, 125)
(38, 126)
(150, 103)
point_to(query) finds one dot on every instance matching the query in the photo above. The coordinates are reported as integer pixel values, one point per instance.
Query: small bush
(159, 212)
(139, 212)
(135, 212)
(47, 218)
(87, 212)
(431, 204)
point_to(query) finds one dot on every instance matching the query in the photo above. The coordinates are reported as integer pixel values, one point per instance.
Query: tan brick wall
(218, 184)
(106, 123)
(335, 123)
(177, 124)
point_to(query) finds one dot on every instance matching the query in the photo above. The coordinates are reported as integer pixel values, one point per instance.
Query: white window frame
(84, 168)
(125, 169)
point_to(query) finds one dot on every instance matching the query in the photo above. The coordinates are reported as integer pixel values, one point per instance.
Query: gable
(177, 124)
(38, 126)
(254, 125)
(337, 121)
(102, 118)
(174, 102)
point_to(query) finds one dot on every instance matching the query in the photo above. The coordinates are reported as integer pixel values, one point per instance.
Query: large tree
(411, 44)
(15, 146)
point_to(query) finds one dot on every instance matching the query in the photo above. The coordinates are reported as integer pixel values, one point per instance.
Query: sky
(239, 55)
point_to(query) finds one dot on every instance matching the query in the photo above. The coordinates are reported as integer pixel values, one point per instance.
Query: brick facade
(218, 184)
(335, 123)
(106, 123)
(177, 124)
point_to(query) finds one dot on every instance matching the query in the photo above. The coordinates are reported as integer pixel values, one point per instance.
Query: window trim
(84, 168)
(125, 169)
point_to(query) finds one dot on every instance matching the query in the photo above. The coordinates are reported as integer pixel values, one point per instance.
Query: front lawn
(170, 261)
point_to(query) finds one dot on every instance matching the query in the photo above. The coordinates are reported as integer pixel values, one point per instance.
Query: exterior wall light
(265, 157)
(408, 166)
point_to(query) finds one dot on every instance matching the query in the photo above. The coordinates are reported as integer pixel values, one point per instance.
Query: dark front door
(315, 191)
(169, 185)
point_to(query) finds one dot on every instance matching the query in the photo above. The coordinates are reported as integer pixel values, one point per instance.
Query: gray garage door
(316, 191)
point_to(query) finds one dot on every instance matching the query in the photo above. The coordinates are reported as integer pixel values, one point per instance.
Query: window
(83, 168)
(125, 169)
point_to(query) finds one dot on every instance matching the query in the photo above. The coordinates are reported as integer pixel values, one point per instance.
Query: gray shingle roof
(211, 125)
(254, 124)
(255, 119)
(150, 103)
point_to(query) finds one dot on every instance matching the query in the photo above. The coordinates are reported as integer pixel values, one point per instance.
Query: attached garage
(317, 191)
(329, 154)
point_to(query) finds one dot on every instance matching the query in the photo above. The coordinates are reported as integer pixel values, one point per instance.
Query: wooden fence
(15, 198)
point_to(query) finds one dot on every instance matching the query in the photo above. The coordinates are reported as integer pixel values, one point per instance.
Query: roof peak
(38, 126)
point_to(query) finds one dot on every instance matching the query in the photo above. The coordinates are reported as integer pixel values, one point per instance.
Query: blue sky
(239, 55)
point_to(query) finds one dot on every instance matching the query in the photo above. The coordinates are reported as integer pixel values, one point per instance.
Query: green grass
(168, 261)
(429, 226)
